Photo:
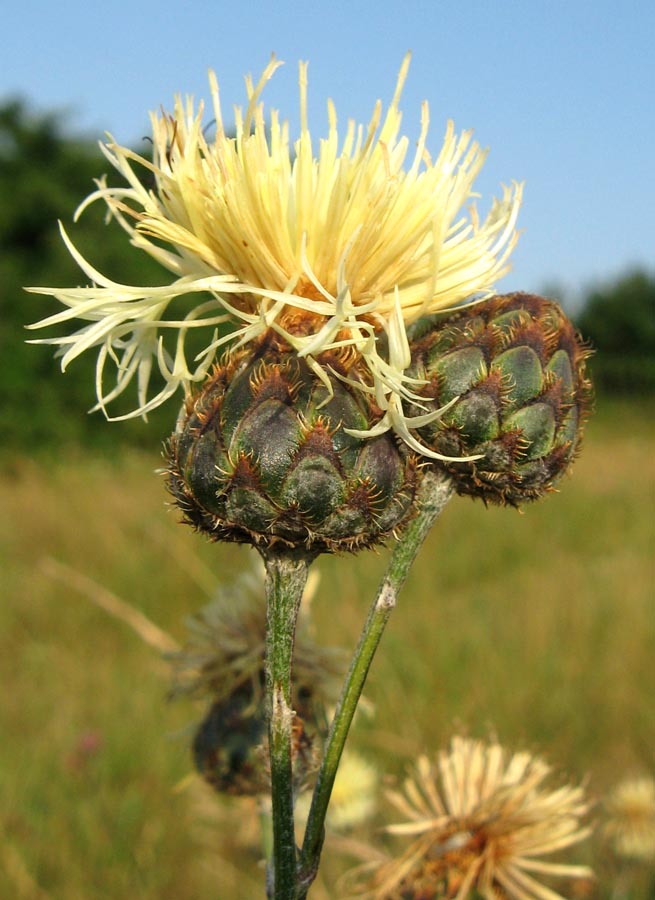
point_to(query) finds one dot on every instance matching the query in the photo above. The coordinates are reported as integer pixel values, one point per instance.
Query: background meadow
(537, 627)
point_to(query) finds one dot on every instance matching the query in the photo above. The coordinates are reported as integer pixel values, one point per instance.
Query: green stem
(434, 493)
(286, 574)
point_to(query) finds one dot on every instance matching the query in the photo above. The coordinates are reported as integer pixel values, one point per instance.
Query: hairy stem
(286, 574)
(434, 493)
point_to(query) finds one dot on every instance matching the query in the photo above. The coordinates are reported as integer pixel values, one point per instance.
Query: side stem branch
(434, 493)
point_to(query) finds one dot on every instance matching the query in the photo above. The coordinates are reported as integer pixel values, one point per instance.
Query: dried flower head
(223, 662)
(483, 822)
(335, 247)
(630, 823)
(226, 647)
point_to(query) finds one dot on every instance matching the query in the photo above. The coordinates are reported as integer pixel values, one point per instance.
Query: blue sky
(561, 92)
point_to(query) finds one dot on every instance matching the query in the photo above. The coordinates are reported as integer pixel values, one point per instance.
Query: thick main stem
(286, 574)
(434, 493)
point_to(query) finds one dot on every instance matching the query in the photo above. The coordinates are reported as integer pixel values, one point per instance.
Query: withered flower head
(223, 663)
(226, 647)
(483, 821)
(334, 246)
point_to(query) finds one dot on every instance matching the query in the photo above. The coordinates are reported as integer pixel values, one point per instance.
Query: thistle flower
(263, 455)
(223, 663)
(630, 823)
(334, 248)
(354, 795)
(483, 822)
(226, 645)
(509, 375)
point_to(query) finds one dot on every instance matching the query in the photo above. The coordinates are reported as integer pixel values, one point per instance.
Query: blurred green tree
(44, 174)
(619, 320)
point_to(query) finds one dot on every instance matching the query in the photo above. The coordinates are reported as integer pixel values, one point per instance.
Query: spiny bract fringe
(514, 369)
(263, 456)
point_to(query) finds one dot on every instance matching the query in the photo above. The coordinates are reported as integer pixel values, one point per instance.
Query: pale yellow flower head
(630, 823)
(483, 821)
(335, 245)
(354, 795)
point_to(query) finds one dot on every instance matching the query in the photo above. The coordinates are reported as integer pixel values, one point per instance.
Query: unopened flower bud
(513, 370)
(263, 456)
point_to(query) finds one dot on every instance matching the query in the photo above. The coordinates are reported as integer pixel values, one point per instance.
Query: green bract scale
(262, 456)
(513, 368)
